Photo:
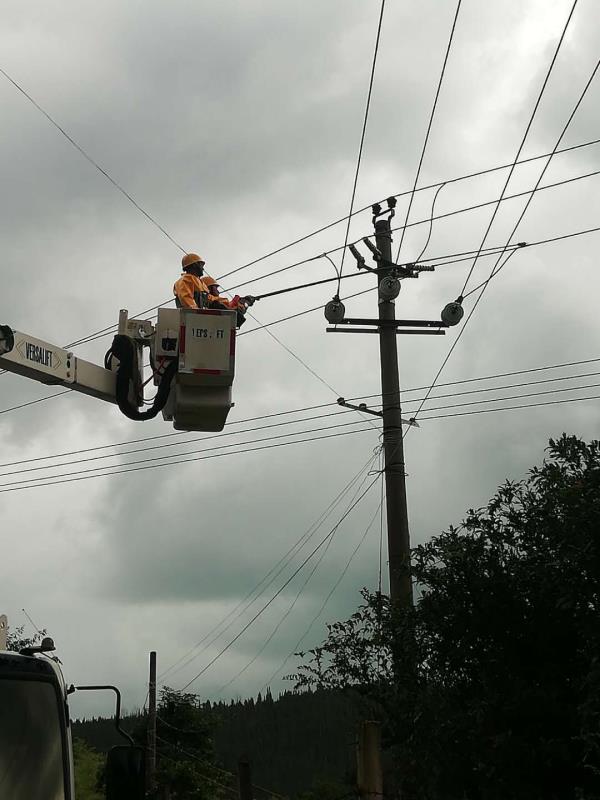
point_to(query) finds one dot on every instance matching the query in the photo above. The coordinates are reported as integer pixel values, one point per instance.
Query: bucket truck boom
(191, 354)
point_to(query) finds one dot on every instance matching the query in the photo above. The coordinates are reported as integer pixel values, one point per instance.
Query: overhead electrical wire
(512, 408)
(362, 136)
(90, 159)
(447, 260)
(286, 423)
(497, 267)
(524, 138)
(182, 455)
(132, 200)
(185, 442)
(281, 588)
(292, 605)
(183, 461)
(258, 590)
(78, 475)
(332, 591)
(179, 749)
(194, 757)
(398, 195)
(276, 414)
(431, 221)
(297, 241)
(480, 252)
(428, 131)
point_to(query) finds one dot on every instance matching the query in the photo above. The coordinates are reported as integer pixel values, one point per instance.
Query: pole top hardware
(378, 211)
(398, 271)
(366, 410)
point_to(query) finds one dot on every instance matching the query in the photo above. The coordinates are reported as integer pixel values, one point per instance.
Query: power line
(79, 475)
(468, 255)
(527, 129)
(457, 179)
(108, 329)
(192, 452)
(280, 590)
(183, 461)
(33, 402)
(362, 136)
(328, 598)
(511, 408)
(131, 199)
(267, 447)
(497, 375)
(90, 159)
(177, 444)
(429, 124)
(195, 758)
(286, 423)
(273, 573)
(515, 397)
(496, 268)
(291, 607)
(260, 418)
(223, 771)
(429, 220)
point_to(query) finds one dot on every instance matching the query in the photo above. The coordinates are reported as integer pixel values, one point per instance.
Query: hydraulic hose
(123, 349)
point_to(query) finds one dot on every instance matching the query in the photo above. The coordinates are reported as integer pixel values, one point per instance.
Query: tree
(495, 686)
(185, 761)
(88, 768)
(18, 641)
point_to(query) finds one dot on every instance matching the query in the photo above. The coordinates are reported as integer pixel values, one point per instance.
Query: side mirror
(125, 773)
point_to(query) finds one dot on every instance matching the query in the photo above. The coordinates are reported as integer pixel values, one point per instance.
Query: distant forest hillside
(292, 742)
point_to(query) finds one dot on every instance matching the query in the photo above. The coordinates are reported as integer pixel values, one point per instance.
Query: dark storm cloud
(236, 126)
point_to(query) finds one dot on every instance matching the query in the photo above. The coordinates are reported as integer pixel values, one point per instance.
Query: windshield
(31, 750)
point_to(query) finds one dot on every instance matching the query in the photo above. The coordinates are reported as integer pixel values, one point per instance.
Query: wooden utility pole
(245, 779)
(388, 328)
(369, 776)
(151, 743)
(393, 444)
(3, 631)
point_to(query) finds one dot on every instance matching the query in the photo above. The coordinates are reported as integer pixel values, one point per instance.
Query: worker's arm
(223, 301)
(184, 290)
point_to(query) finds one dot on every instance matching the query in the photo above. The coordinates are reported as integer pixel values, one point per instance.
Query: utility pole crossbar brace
(366, 410)
(422, 331)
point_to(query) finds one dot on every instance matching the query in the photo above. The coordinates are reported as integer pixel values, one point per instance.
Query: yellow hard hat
(210, 281)
(191, 258)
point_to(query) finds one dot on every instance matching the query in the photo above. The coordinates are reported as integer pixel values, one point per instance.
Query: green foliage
(89, 766)
(185, 753)
(18, 641)
(293, 742)
(490, 688)
(327, 790)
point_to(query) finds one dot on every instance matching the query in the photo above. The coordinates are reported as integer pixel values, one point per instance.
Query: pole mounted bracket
(366, 410)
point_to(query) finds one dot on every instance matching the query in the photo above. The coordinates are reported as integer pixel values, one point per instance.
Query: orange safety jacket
(191, 292)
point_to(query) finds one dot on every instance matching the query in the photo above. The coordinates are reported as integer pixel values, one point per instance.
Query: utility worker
(190, 290)
(237, 303)
(194, 289)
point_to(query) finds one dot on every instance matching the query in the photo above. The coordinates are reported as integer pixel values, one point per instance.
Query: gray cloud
(237, 127)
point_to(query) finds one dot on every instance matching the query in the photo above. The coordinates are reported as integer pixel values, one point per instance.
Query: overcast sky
(236, 126)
